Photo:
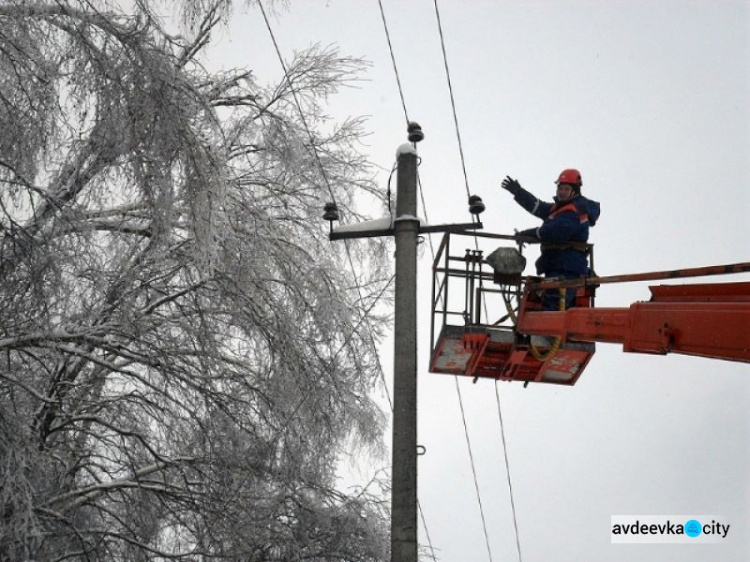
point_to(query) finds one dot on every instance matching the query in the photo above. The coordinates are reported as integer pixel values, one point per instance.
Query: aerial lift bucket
(530, 345)
(480, 347)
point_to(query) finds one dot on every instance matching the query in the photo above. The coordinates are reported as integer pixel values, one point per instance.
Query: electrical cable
(393, 60)
(426, 530)
(362, 319)
(426, 218)
(453, 101)
(468, 192)
(473, 469)
(330, 189)
(507, 470)
(403, 105)
(296, 101)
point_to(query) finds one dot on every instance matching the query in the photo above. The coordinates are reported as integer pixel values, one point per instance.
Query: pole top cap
(405, 148)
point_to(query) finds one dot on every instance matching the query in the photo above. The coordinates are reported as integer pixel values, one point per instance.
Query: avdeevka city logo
(669, 529)
(693, 528)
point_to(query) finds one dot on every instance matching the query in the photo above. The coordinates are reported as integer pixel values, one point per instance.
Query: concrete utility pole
(405, 228)
(404, 466)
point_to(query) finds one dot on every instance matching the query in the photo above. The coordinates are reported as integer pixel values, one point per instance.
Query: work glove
(511, 185)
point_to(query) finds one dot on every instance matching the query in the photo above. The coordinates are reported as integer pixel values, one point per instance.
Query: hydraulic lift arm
(707, 320)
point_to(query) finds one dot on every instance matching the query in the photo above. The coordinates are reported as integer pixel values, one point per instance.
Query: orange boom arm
(708, 320)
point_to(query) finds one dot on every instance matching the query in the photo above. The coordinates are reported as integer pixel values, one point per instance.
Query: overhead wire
(403, 105)
(468, 192)
(507, 470)
(330, 191)
(296, 100)
(333, 197)
(393, 61)
(453, 99)
(427, 220)
(473, 469)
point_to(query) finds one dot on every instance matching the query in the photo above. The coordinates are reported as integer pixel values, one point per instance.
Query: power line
(427, 220)
(393, 60)
(403, 105)
(426, 530)
(473, 469)
(424, 206)
(507, 470)
(296, 101)
(468, 192)
(453, 101)
(362, 319)
(365, 317)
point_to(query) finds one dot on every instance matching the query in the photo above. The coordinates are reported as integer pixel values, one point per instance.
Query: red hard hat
(571, 175)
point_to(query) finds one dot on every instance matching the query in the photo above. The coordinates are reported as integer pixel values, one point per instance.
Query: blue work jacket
(563, 233)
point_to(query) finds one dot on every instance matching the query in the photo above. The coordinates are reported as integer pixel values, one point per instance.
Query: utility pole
(405, 228)
(404, 463)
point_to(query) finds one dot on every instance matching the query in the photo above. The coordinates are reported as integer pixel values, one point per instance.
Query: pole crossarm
(455, 228)
(344, 233)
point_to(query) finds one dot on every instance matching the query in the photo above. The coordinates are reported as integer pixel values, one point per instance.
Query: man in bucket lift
(563, 234)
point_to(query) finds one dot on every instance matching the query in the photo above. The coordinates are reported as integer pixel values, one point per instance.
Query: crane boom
(707, 320)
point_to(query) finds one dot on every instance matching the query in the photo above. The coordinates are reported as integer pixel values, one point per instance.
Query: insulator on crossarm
(476, 206)
(331, 212)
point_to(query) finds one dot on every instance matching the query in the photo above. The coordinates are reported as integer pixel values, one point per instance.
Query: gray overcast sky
(650, 101)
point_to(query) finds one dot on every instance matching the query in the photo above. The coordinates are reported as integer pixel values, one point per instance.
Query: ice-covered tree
(183, 351)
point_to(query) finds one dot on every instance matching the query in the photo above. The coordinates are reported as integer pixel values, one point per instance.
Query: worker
(564, 233)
